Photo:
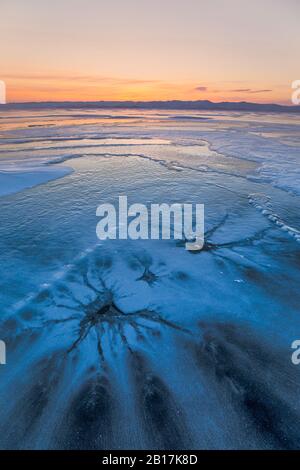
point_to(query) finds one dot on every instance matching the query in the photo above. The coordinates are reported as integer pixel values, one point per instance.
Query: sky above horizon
(221, 50)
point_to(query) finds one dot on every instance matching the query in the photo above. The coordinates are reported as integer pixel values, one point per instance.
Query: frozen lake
(142, 344)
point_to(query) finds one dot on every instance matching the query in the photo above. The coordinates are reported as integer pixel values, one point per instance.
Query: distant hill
(199, 105)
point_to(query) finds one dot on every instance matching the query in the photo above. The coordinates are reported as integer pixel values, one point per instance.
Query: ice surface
(141, 344)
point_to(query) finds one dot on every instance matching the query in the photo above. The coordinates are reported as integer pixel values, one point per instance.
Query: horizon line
(173, 104)
(149, 101)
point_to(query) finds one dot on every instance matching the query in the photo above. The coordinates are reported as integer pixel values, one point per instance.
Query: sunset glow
(140, 50)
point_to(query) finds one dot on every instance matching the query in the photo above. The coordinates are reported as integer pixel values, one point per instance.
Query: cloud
(241, 90)
(92, 79)
(249, 90)
(201, 88)
(260, 91)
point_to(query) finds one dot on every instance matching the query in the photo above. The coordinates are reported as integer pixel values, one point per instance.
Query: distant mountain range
(199, 105)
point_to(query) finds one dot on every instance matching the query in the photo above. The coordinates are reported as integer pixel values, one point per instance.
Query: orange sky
(231, 50)
(37, 88)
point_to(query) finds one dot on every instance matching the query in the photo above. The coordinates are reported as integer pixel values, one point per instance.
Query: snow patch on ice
(13, 181)
(262, 203)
